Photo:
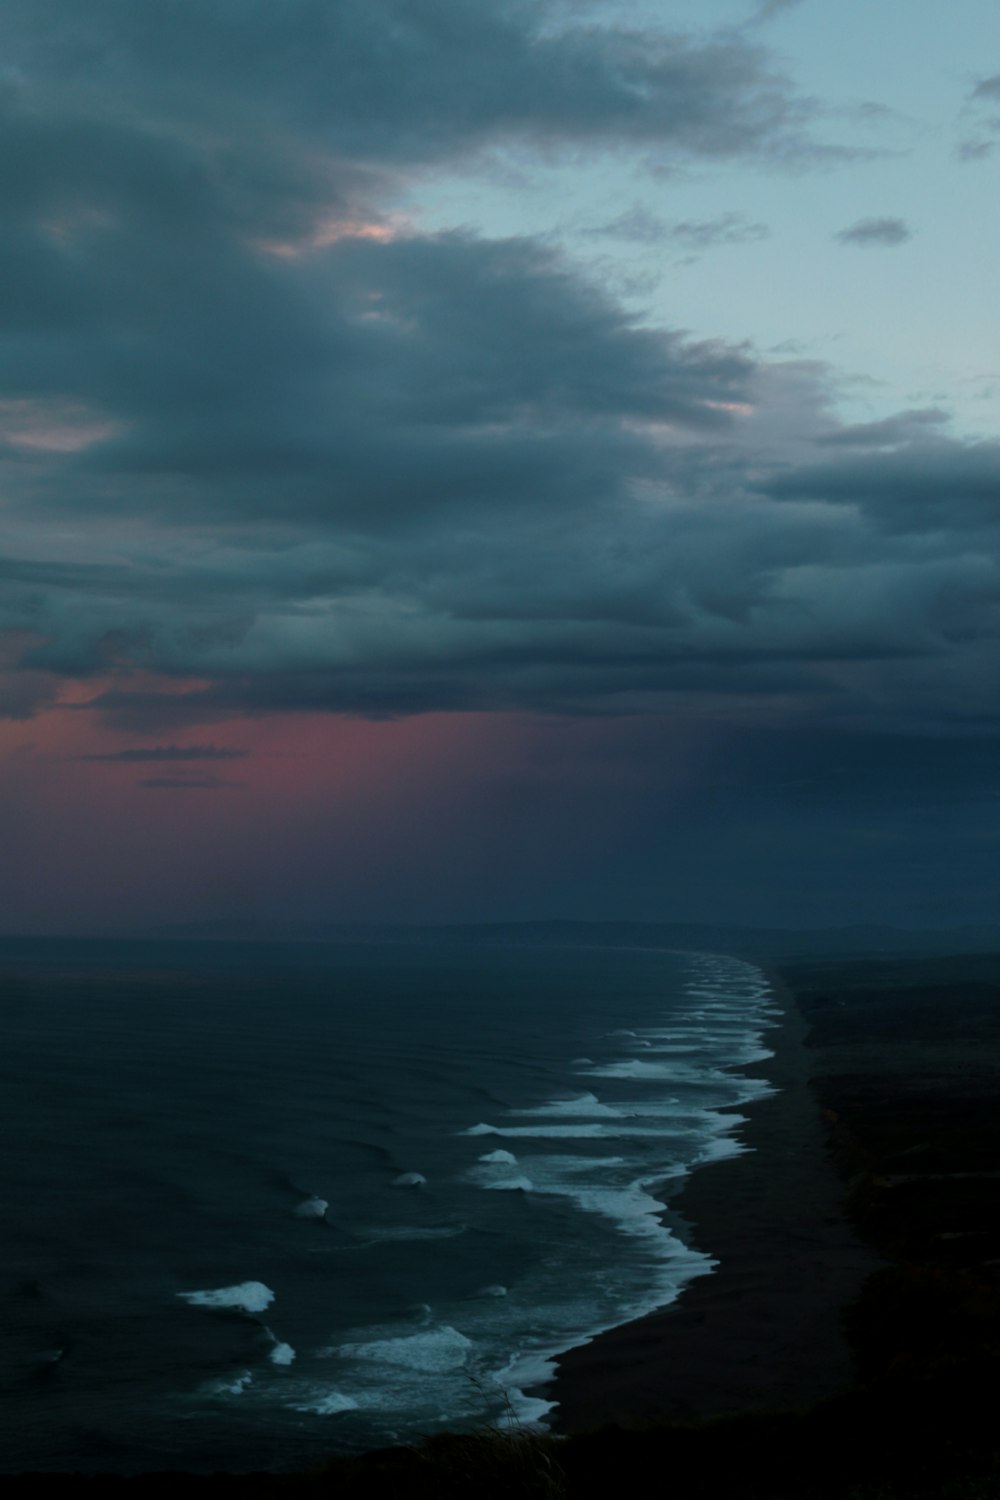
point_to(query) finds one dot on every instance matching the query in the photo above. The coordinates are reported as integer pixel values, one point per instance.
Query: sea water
(267, 1204)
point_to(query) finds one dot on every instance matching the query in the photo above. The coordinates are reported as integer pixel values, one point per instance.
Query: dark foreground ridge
(930, 1440)
(902, 1055)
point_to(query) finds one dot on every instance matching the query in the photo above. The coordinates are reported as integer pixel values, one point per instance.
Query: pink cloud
(53, 426)
(330, 231)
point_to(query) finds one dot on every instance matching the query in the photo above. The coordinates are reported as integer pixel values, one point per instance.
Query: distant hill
(752, 941)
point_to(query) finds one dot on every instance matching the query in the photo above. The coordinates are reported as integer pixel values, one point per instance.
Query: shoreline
(762, 1331)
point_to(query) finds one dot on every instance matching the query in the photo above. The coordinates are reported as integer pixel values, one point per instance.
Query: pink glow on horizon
(291, 759)
(318, 804)
(319, 817)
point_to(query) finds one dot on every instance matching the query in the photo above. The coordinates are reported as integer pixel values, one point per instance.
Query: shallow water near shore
(265, 1205)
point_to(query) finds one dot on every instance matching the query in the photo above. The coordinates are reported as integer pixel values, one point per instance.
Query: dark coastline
(764, 1330)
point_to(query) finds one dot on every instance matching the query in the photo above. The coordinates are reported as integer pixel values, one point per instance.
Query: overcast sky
(471, 459)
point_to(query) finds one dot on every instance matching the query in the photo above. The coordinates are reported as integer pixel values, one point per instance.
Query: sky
(469, 460)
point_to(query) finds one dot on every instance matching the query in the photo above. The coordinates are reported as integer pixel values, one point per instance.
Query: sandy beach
(856, 1240)
(763, 1331)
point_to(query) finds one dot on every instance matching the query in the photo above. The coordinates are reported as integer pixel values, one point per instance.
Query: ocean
(265, 1204)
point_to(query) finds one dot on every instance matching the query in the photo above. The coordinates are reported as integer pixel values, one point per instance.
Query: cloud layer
(392, 82)
(266, 446)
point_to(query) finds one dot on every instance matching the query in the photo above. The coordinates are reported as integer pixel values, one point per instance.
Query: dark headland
(848, 1345)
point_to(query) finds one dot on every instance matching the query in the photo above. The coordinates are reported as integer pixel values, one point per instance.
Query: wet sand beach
(764, 1329)
(856, 1238)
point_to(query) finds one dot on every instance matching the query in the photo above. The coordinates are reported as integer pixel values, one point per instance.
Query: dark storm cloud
(707, 580)
(466, 372)
(987, 88)
(367, 382)
(264, 443)
(869, 232)
(171, 753)
(889, 432)
(393, 81)
(920, 486)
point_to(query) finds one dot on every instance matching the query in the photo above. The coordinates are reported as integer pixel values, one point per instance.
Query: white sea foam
(751, 1054)
(706, 1037)
(249, 1296)
(515, 1380)
(637, 1214)
(667, 1048)
(439, 1349)
(330, 1404)
(633, 1209)
(551, 1132)
(719, 1149)
(496, 1290)
(409, 1180)
(229, 1385)
(312, 1208)
(584, 1106)
(724, 1035)
(377, 1233)
(493, 1171)
(628, 1129)
(633, 1067)
(282, 1354)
